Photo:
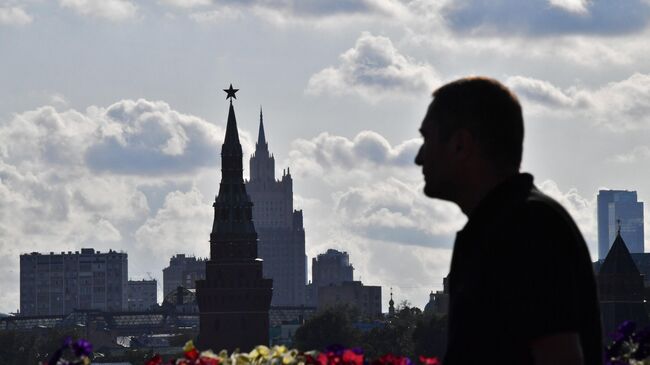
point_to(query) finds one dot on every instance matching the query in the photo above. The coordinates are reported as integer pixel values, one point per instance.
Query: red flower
(192, 354)
(156, 360)
(429, 360)
(322, 359)
(208, 361)
(390, 359)
(352, 358)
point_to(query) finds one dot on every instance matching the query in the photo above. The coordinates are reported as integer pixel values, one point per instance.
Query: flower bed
(628, 347)
(81, 351)
(280, 355)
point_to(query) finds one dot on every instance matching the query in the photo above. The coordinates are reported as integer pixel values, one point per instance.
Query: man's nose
(418, 157)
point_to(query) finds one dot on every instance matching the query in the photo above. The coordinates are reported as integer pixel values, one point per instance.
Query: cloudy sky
(112, 118)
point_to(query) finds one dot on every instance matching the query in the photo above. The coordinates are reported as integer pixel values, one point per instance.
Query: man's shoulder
(540, 214)
(538, 205)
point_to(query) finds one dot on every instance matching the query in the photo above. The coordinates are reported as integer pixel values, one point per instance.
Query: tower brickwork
(234, 298)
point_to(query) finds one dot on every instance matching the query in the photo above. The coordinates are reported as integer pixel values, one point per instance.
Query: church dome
(431, 305)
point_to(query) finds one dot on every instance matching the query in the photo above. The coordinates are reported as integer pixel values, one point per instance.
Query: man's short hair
(488, 110)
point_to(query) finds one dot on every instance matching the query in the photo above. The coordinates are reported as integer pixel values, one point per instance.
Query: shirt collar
(507, 192)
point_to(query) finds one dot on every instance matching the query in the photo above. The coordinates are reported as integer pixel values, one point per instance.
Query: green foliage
(17, 347)
(396, 336)
(430, 336)
(409, 333)
(330, 326)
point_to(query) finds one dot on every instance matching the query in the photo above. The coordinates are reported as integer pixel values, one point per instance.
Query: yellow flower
(189, 346)
(288, 358)
(279, 350)
(210, 355)
(241, 359)
(263, 350)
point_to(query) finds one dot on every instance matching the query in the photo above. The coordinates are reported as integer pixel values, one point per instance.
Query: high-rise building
(331, 267)
(182, 271)
(279, 227)
(366, 298)
(619, 207)
(234, 298)
(333, 284)
(142, 295)
(56, 284)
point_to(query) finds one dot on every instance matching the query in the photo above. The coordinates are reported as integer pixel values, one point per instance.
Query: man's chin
(430, 191)
(434, 192)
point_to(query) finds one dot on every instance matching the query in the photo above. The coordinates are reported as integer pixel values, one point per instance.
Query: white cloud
(619, 106)
(114, 10)
(572, 6)
(546, 17)
(14, 15)
(153, 138)
(182, 224)
(187, 3)
(294, 10)
(58, 100)
(374, 69)
(623, 105)
(393, 211)
(367, 147)
(582, 210)
(374, 187)
(128, 137)
(639, 153)
(55, 195)
(216, 16)
(539, 91)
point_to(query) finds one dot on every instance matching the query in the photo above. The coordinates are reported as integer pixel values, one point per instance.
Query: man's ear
(463, 144)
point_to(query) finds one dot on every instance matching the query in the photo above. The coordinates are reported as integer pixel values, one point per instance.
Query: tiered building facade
(279, 227)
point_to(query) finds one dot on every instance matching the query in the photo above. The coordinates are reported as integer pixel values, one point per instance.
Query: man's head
(473, 129)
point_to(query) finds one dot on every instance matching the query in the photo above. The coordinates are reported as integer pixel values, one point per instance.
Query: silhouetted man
(522, 289)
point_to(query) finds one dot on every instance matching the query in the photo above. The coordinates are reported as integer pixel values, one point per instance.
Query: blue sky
(112, 118)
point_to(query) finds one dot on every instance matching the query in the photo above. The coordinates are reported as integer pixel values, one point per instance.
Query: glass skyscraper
(616, 206)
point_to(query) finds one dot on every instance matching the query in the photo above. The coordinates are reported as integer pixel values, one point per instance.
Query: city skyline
(112, 119)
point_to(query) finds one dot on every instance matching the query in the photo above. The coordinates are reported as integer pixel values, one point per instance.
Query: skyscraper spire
(261, 138)
(262, 164)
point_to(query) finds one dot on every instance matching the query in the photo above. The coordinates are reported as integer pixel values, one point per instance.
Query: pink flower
(429, 360)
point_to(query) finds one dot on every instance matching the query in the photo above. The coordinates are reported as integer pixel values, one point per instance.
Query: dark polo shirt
(520, 271)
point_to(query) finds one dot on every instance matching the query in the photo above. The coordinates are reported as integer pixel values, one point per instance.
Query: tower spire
(233, 254)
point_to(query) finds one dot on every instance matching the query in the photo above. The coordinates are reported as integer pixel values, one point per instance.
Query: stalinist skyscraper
(234, 298)
(279, 226)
